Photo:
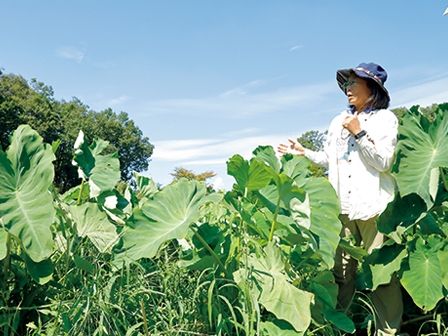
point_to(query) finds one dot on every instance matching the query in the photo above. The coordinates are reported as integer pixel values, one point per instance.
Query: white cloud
(241, 132)
(238, 102)
(118, 100)
(296, 47)
(425, 93)
(71, 53)
(211, 151)
(207, 154)
(244, 89)
(203, 154)
(212, 162)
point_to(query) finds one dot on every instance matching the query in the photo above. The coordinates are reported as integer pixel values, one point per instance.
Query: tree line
(59, 121)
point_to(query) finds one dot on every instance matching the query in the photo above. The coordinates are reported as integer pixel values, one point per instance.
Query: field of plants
(111, 258)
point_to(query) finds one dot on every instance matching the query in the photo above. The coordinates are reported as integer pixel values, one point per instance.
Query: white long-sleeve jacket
(359, 169)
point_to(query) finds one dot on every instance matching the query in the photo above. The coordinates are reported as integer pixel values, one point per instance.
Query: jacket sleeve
(320, 158)
(378, 148)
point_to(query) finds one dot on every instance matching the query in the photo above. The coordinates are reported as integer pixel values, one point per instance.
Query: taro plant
(417, 220)
(107, 258)
(274, 237)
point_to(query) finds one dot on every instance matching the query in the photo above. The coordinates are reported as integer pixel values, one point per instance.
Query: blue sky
(206, 79)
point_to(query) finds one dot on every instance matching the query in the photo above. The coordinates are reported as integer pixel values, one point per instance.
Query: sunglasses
(348, 83)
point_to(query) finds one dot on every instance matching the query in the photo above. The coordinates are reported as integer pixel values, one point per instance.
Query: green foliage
(111, 259)
(180, 173)
(275, 292)
(34, 104)
(314, 140)
(417, 219)
(101, 170)
(26, 175)
(252, 175)
(167, 216)
(92, 223)
(422, 151)
(423, 279)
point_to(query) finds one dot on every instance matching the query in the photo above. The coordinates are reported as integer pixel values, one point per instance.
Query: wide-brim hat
(370, 71)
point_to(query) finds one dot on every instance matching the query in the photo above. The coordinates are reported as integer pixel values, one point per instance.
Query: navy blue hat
(371, 71)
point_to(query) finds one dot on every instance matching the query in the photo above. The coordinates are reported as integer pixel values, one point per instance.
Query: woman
(358, 153)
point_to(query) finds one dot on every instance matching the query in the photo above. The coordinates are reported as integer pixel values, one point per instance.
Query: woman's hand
(293, 147)
(351, 123)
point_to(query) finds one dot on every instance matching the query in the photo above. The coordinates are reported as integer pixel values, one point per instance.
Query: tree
(180, 172)
(33, 103)
(314, 140)
(427, 111)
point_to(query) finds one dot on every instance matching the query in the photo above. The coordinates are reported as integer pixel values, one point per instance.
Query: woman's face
(358, 93)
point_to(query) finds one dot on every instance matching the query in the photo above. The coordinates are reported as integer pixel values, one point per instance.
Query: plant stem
(420, 318)
(145, 322)
(209, 249)
(80, 192)
(245, 249)
(445, 183)
(7, 260)
(274, 220)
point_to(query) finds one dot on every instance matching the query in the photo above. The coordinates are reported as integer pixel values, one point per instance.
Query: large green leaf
(285, 189)
(443, 258)
(296, 167)
(93, 223)
(267, 154)
(400, 214)
(325, 221)
(285, 193)
(253, 174)
(146, 187)
(26, 205)
(3, 242)
(422, 149)
(278, 328)
(423, 279)
(41, 271)
(167, 216)
(102, 170)
(381, 264)
(324, 204)
(278, 295)
(326, 292)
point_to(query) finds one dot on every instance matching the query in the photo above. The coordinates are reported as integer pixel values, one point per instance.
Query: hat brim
(343, 75)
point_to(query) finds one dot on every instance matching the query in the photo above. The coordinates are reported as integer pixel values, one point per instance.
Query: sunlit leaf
(101, 170)
(93, 223)
(267, 155)
(278, 328)
(3, 242)
(422, 149)
(26, 205)
(325, 221)
(252, 175)
(167, 216)
(423, 279)
(276, 293)
(382, 263)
